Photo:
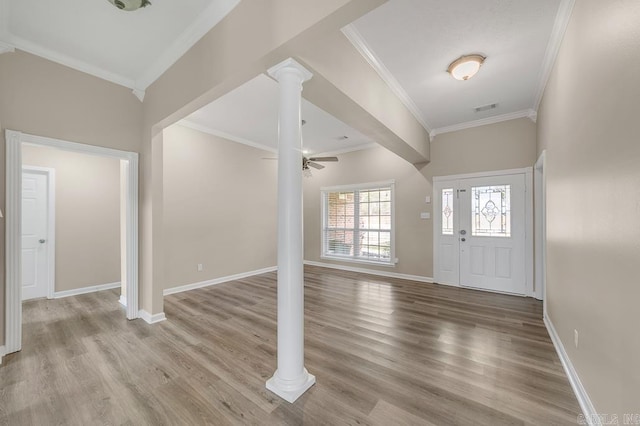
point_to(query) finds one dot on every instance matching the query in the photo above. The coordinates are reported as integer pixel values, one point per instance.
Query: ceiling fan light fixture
(466, 66)
(130, 5)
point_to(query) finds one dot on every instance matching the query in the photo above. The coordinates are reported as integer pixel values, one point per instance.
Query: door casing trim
(13, 241)
(540, 193)
(528, 238)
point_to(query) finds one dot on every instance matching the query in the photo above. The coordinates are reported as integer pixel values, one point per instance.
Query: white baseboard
(588, 410)
(215, 281)
(371, 271)
(151, 319)
(123, 301)
(2, 353)
(449, 284)
(85, 290)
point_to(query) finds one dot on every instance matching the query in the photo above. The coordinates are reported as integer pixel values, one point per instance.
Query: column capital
(289, 65)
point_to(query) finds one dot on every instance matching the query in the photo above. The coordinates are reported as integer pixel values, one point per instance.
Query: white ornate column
(291, 379)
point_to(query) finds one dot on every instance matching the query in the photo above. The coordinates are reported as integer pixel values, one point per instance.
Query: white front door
(35, 227)
(480, 225)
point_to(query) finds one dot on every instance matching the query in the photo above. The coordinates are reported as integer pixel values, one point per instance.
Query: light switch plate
(425, 215)
(427, 199)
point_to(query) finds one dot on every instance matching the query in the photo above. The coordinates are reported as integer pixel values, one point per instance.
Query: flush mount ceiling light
(466, 66)
(130, 4)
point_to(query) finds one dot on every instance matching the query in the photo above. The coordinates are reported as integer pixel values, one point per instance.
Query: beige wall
(506, 145)
(254, 36)
(220, 207)
(87, 216)
(43, 98)
(588, 123)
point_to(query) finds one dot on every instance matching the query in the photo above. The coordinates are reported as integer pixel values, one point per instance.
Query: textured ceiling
(249, 114)
(409, 42)
(128, 48)
(414, 41)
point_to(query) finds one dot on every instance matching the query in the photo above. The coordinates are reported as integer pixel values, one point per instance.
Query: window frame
(324, 191)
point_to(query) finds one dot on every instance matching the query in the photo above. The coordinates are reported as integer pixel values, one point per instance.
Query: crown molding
(139, 94)
(6, 48)
(205, 22)
(214, 132)
(553, 47)
(55, 56)
(528, 113)
(345, 150)
(190, 124)
(354, 36)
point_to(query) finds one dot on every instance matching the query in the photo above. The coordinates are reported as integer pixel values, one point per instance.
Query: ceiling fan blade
(315, 165)
(323, 159)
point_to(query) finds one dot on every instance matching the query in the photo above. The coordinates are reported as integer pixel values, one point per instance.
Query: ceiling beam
(346, 86)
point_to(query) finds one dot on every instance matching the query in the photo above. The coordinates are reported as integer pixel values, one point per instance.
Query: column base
(290, 392)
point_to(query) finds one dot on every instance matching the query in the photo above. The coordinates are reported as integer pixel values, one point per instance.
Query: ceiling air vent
(485, 107)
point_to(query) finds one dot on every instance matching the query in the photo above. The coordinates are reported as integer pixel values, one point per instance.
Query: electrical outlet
(575, 337)
(425, 215)
(200, 267)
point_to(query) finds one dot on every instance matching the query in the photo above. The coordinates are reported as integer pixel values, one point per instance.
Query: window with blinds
(357, 223)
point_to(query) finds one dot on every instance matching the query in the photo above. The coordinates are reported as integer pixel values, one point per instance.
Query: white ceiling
(128, 48)
(412, 42)
(249, 115)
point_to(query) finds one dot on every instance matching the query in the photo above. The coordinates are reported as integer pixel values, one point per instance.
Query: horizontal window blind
(358, 223)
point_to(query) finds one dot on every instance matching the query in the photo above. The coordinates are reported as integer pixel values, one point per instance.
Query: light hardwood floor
(384, 351)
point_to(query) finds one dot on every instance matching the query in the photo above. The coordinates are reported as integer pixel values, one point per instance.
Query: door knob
(463, 239)
(42, 241)
(463, 232)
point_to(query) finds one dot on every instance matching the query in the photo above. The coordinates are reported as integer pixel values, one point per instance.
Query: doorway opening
(15, 141)
(483, 231)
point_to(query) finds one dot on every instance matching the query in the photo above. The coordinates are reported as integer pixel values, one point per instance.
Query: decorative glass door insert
(447, 211)
(491, 211)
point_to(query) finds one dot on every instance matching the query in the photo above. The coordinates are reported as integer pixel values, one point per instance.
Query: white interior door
(479, 232)
(35, 255)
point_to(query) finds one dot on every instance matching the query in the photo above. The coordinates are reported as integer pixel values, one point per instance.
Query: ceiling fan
(310, 162)
(313, 162)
